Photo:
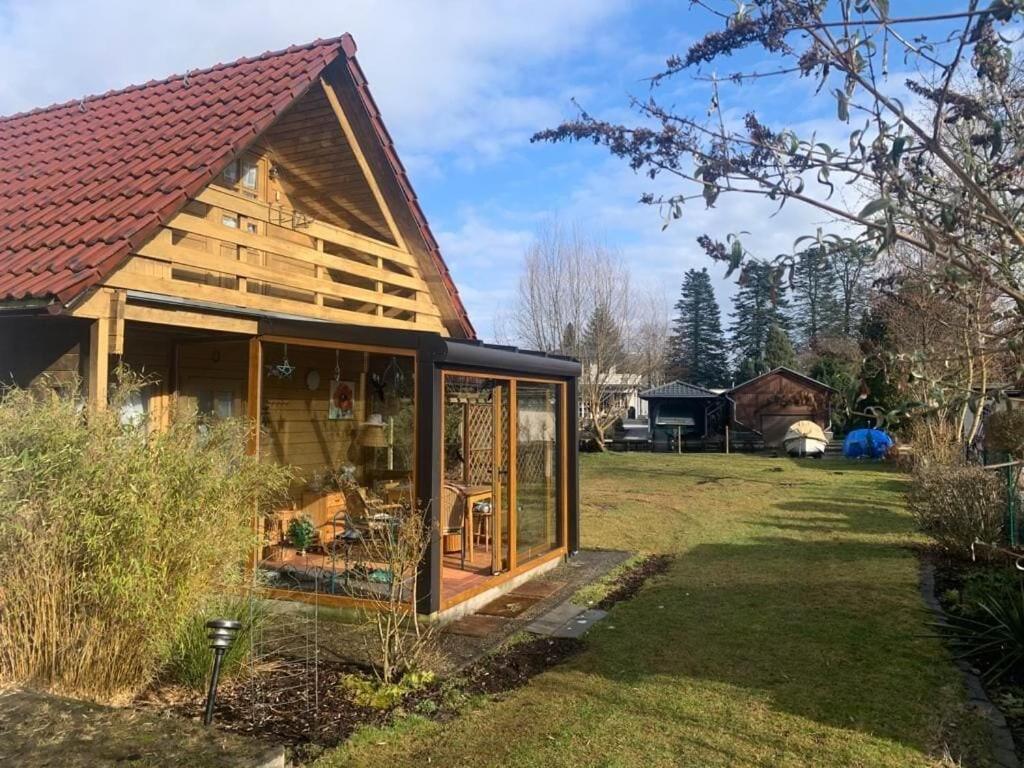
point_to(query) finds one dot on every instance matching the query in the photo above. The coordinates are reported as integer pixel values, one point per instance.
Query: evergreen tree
(759, 304)
(854, 270)
(778, 350)
(602, 345)
(817, 308)
(878, 388)
(697, 350)
(749, 368)
(569, 344)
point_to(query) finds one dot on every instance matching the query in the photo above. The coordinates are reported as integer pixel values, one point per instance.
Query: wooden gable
(298, 225)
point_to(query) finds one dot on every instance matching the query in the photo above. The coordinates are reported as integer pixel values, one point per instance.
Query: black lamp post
(221, 634)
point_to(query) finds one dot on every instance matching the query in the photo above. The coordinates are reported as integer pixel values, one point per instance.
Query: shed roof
(85, 183)
(782, 370)
(677, 389)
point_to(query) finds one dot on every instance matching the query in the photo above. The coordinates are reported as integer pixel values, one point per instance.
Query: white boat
(805, 438)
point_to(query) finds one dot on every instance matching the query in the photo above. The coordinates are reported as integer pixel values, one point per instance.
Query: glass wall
(474, 504)
(343, 420)
(501, 488)
(537, 469)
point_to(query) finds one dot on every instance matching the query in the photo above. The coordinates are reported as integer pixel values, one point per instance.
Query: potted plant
(301, 534)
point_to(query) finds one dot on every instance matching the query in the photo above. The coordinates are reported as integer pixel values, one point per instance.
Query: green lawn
(789, 631)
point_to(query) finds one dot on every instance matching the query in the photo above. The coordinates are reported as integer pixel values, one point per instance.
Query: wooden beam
(99, 363)
(117, 309)
(254, 393)
(195, 225)
(183, 318)
(168, 287)
(161, 249)
(97, 304)
(222, 198)
(371, 180)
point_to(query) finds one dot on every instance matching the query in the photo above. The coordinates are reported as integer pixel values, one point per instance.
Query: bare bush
(399, 643)
(935, 442)
(958, 505)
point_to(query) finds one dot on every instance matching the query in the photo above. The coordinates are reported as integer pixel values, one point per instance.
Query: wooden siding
(310, 238)
(775, 398)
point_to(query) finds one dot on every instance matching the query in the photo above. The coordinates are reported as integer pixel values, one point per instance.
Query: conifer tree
(759, 304)
(817, 309)
(778, 350)
(697, 349)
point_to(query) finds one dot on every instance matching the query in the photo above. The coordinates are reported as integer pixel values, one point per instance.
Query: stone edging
(1002, 737)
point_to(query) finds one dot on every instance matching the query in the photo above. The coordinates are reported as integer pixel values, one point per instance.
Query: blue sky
(462, 86)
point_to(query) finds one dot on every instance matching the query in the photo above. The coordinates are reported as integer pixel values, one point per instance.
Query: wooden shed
(679, 414)
(768, 404)
(247, 236)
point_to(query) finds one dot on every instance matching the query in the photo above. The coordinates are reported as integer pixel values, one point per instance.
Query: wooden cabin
(769, 404)
(247, 236)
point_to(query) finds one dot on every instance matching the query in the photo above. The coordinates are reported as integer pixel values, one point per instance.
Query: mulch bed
(630, 582)
(514, 666)
(306, 706)
(285, 702)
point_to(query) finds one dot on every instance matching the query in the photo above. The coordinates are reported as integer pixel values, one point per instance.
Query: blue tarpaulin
(866, 444)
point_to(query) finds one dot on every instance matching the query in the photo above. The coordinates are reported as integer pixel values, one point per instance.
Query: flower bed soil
(629, 583)
(306, 706)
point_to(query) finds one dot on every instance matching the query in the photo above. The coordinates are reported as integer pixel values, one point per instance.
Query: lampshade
(371, 435)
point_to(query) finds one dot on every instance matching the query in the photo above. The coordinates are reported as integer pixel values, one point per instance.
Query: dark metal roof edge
(653, 392)
(497, 357)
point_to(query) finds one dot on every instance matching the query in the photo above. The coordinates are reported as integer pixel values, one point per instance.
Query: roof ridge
(338, 41)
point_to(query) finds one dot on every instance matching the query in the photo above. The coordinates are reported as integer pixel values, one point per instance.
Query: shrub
(1005, 431)
(991, 635)
(957, 505)
(374, 693)
(112, 536)
(935, 443)
(191, 660)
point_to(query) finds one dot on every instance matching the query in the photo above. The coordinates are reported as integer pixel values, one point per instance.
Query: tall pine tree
(697, 350)
(602, 345)
(817, 308)
(778, 350)
(759, 304)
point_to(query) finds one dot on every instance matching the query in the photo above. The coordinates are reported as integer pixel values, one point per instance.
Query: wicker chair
(367, 514)
(453, 517)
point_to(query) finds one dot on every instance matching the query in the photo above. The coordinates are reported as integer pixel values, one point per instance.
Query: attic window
(248, 172)
(243, 175)
(231, 173)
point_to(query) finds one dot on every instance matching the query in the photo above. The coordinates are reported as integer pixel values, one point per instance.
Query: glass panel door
(475, 507)
(537, 469)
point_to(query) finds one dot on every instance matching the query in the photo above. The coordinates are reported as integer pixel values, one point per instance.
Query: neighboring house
(621, 393)
(677, 411)
(768, 404)
(247, 236)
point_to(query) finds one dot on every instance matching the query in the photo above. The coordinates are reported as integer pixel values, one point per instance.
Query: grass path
(788, 632)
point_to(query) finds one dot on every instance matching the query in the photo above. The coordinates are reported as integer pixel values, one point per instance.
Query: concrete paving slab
(580, 625)
(555, 619)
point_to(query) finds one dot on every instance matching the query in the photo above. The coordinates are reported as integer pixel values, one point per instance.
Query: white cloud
(448, 75)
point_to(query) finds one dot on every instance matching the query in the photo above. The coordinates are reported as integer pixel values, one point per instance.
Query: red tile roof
(83, 184)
